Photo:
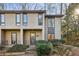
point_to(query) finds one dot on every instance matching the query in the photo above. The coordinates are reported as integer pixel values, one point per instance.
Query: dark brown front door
(32, 38)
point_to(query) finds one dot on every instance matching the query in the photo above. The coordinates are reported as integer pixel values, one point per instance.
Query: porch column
(0, 36)
(21, 36)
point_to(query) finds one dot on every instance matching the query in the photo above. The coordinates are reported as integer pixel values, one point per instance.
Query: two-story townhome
(27, 26)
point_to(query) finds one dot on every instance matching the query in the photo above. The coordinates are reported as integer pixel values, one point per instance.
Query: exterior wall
(10, 22)
(57, 28)
(24, 35)
(8, 36)
(27, 36)
(33, 21)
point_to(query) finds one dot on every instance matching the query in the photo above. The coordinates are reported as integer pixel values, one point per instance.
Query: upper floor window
(25, 19)
(2, 20)
(51, 22)
(18, 18)
(40, 19)
(1, 6)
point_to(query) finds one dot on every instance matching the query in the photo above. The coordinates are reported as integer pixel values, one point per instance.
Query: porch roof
(22, 11)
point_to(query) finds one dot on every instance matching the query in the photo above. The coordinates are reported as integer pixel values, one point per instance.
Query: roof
(53, 16)
(22, 11)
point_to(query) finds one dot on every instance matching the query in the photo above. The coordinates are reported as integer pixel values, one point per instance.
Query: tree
(70, 25)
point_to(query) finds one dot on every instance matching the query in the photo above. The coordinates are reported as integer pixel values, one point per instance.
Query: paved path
(74, 50)
(31, 51)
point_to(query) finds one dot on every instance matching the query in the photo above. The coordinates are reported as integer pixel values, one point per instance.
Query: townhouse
(28, 26)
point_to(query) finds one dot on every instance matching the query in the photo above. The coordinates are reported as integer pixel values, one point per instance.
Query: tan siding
(10, 20)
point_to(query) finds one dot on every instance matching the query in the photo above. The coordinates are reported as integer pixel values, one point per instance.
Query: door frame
(30, 37)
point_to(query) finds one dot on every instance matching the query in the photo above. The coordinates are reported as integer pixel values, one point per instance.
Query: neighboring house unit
(27, 26)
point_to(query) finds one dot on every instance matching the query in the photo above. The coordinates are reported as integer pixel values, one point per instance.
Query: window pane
(25, 19)
(18, 19)
(2, 20)
(2, 17)
(51, 22)
(40, 19)
(1, 6)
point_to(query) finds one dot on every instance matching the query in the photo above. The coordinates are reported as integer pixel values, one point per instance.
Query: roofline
(53, 16)
(22, 11)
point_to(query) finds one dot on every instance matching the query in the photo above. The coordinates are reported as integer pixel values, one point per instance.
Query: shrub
(2, 47)
(43, 48)
(18, 48)
(56, 42)
(41, 41)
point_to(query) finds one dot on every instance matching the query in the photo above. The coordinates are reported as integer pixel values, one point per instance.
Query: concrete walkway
(31, 51)
(74, 50)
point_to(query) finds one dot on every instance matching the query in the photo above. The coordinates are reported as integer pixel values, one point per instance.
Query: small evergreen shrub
(18, 48)
(2, 47)
(43, 48)
(56, 42)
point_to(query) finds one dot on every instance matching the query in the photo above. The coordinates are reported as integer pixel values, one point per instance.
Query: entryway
(32, 38)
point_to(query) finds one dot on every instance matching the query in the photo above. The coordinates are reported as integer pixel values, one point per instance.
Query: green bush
(2, 47)
(56, 42)
(41, 41)
(43, 48)
(18, 48)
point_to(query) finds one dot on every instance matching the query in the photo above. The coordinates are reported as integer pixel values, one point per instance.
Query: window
(2, 20)
(14, 38)
(51, 28)
(1, 6)
(25, 19)
(40, 19)
(18, 18)
(51, 22)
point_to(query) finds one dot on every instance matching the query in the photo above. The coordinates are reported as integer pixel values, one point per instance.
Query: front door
(14, 38)
(32, 38)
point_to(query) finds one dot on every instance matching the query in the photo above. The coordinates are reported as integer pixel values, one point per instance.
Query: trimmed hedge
(18, 48)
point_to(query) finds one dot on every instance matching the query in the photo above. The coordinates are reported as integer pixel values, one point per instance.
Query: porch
(20, 36)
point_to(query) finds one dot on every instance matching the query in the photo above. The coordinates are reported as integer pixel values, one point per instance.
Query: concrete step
(31, 48)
